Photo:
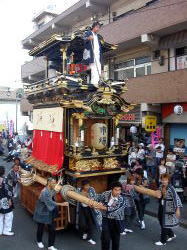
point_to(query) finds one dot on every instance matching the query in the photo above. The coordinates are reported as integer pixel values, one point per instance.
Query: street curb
(153, 214)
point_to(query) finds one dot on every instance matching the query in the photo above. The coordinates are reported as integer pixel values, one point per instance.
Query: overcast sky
(16, 24)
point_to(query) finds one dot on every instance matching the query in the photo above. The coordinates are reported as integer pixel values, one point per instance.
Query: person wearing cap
(93, 52)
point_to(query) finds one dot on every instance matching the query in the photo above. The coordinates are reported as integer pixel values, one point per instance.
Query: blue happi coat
(88, 56)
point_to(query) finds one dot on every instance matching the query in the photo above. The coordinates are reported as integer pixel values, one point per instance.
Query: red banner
(49, 147)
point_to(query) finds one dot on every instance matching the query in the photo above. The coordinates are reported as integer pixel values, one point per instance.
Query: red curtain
(49, 147)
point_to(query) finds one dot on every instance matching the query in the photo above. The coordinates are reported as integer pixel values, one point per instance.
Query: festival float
(76, 132)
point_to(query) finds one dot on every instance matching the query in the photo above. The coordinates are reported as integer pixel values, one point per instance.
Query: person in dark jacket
(141, 200)
(92, 52)
(45, 212)
(169, 211)
(130, 211)
(6, 206)
(87, 218)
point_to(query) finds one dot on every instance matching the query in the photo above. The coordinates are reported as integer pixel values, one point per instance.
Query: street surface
(25, 230)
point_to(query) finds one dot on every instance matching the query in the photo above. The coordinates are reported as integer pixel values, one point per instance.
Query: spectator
(132, 156)
(141, 153)
(24, 154)
(161, 170)
(160, 148)
(1, 147)
(151, 161)
(170, 161)
(137, 165)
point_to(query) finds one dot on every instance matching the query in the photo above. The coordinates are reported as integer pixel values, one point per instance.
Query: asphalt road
(25, 229)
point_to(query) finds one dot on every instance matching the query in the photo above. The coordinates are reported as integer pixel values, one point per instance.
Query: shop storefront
(175, 127)
(132, 118)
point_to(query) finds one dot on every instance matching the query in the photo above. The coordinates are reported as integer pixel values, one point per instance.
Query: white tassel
(41, 133)
(51, 135)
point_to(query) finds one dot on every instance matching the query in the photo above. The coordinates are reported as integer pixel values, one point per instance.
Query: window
(181, 51)
(132, 68)
(181, 57)
(140, 71)
(156, 54)
(142, 60)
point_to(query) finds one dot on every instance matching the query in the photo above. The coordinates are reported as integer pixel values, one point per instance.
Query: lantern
(99, 136)
(178, 110)
(133, 129)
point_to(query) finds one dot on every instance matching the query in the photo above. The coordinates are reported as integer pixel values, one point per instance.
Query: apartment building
(152, 54)
(151, 38)
(76, 17)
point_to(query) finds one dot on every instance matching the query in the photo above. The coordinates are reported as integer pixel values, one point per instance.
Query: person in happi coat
(87, 218)
(45, 212)
(92, 54)
(6, 205)
(113, 216)
(169, 210)
(13, 178)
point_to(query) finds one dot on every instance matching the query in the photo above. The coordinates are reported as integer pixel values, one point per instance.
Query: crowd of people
(148, 166)
(14, 146)
(119, 207)
(154, 161)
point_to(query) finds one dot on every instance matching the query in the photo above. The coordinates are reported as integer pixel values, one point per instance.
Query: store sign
(150, 123)
(132, 116)
(129, 117)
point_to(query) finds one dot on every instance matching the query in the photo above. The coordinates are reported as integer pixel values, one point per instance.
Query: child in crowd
(170, 161)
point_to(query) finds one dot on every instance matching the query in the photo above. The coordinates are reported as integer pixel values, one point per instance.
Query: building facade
(151, 55)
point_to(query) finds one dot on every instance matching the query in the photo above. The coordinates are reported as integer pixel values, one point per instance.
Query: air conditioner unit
(146, 38)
